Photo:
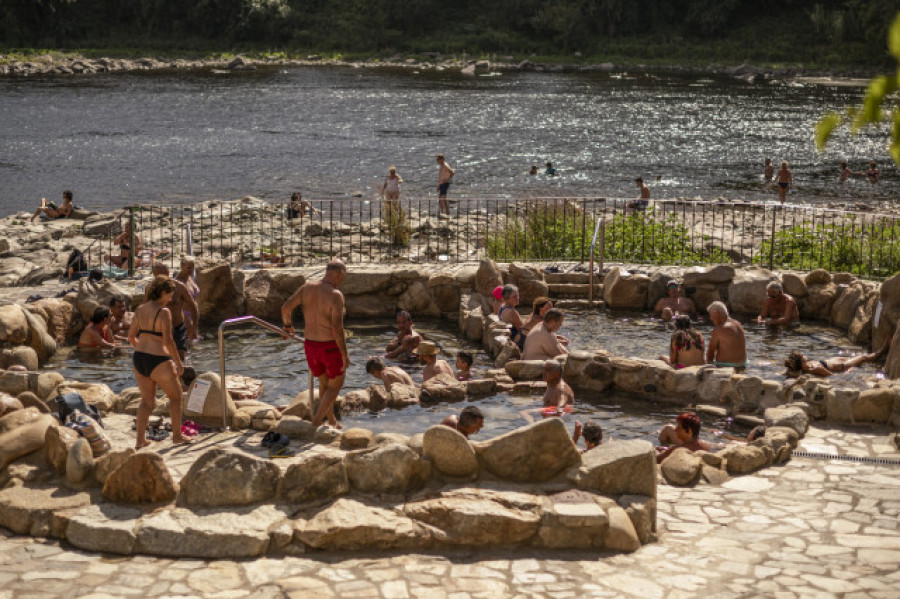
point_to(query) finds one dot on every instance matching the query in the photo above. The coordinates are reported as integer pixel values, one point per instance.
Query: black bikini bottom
(144, 363)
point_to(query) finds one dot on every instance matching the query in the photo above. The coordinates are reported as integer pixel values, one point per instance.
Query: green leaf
(879, 87)
(894, 37)
(825, 128)
(895, 137)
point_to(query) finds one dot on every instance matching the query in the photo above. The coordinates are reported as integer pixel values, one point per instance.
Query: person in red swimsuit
(97, 334)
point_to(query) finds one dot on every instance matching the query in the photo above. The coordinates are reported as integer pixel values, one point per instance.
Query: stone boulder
(472, 323)
(530, 282)
(844, 307)
(621, 534)
(819, 301)
(221, 295)
(445, 293)
(351, 524)
(266, 291)
(449, 451)
(98, 395)
(625, 291)
(79, 462)
(443, 388)
(480, 388)
(525, 370)
(299, 406)
(110, 462)
(390, 468)
(143, 478)
(295, 428)
(706, 275)
(533, 453)
(38, 338)
(747, 290)
(487, 277)
(402, 396)
(315, 477)
(94, 294)
(227, 477)
(13, 325)
(819, 276)
(58, 441)
(356, 438)
(788, 416)
(21, 355)
(861, 324)
(24, 439)
(17, 418)
(681, 468)
(211, 414)
(9, 404)
(642, 512)
(368, 281)
(44, 385)
(891, 362)
(62, 320)
(417, 299)
(104, 224)
(741, 459)
(573, 520)
(476, 520)
(619, 468)
(794, 285)
(875, 405)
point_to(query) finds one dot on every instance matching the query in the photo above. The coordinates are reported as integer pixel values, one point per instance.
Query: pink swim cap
(498, 292)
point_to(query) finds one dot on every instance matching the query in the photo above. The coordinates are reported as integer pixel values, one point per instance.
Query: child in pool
(684, 433)
(592, 433)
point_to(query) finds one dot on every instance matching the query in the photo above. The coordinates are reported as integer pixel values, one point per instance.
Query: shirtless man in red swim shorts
(326, 348)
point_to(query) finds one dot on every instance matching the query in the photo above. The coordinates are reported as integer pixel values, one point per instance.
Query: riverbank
(76, 63)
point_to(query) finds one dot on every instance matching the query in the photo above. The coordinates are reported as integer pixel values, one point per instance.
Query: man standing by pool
(445, 173)
(780, 308)
(325, 345)
(727, 345)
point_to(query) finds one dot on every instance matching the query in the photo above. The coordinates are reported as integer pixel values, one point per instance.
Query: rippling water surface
(181, 137)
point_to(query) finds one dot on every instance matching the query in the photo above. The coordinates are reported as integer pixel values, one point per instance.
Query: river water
(176, 137)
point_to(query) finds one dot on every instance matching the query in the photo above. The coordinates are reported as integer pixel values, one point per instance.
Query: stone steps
(570, 277)
(574, 290)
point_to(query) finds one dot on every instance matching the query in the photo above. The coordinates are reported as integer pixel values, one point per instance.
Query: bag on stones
(88, 428)
(76, 262)
(67, 403)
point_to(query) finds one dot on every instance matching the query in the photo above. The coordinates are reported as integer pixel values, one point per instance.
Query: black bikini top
(151, 331)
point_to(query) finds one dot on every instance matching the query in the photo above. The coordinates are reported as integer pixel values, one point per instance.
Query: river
(174, 137)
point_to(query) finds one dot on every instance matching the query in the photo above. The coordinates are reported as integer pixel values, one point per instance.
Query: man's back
(540, 344)
(319, 300)
(731, 344)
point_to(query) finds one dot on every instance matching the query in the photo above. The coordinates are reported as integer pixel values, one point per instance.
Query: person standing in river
(325, 344)
(182, 302)
(727, 344)
(445, 173)
(785, 181)
(769, 172)
(391, 186)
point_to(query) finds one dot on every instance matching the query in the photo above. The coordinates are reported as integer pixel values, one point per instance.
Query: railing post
(772, 241)
(131, 247)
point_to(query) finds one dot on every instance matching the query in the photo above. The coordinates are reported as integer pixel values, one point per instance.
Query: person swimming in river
(686, 345)
(797, 363)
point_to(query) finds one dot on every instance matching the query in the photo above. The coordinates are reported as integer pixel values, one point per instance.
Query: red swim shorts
(324, 357)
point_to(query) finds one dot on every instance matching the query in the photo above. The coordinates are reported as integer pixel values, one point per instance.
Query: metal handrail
(240, 320)
(600, 229)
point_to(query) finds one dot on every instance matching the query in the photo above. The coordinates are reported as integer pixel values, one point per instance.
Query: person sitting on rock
(539, 307)
(464, 370)
(123, 240)
(52, 211)
(798, 364)
(684, 433)
(299, 206)
(558, 398)
(686, 345)
(592, 433)
(673, 304)
(470, 421)
(727, 343)
(121, 318)
(508, 313)
(407, 339)
(780, 308)
(427, 352)
(542, 343)
(388, 374)
(97, 335)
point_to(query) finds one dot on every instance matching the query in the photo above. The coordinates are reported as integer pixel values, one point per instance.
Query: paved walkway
(812, 528)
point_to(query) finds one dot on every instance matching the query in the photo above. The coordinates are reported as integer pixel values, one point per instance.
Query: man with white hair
(727, 345)
(780, 307)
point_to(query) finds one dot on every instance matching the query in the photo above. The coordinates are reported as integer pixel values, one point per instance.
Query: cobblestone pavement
(812, 528)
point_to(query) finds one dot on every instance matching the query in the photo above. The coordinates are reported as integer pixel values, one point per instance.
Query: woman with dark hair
(686, 346)
(52, 211)
(538, 308)
(156, 360)
(684, 433)
(97, 334)
(798, 364)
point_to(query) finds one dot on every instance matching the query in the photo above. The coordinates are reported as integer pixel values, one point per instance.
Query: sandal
(282, 452)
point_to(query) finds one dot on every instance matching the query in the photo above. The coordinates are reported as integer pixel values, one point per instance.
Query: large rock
(13, 326)
(316, 476)
(15, 418)
(621, 534)
(96, 294)
(747, 290)
(264, 296)
(38, 338)
(356, 438)
(106, 528)
(79, 462)
(619, 468)
(794, 285)
(58, 441)
(9, 404)
(351, 524)
(476, 520)
(625, 291)
(443, 388)
(402, 396)
(449, 451)
(295, 427)
(211, 414)
(45, 384)
(221, 295)
(789, 416)
(62, 320)
(417, 299)
(143, 478)
(682, 467)
(844, 307)
(526, 370)
(24, 439)
(390, 468)
(487, 277)
(819, 276)
(110, 462)
(574, 520)
(21, 355)
(642, 512)
(859, 330)
(875, 405)
(703, 275)
(530, 282)
(533, 453)
(741, 459)
(226, 477)
(367, 281)
(98, 395)
(819, 301)
(39, 511)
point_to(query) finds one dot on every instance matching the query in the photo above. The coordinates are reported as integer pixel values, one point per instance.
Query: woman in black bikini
(123, 240)
(156, 360)
(798, 364)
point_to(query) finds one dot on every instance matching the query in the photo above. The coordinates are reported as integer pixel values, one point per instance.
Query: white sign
(197, 399)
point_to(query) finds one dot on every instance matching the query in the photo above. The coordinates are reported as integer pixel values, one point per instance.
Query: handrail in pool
(600, 229)
(266, 325)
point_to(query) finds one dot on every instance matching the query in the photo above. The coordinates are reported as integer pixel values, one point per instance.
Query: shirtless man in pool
(325, 344)
(727, 344)
(673, 304)
(780, 308)
(559, 394)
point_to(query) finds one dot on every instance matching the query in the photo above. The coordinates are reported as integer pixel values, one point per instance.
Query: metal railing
(253, 232)
(266, 325)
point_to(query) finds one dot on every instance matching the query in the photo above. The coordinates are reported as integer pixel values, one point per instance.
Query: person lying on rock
(470, 421)
(464, 370)
(407, 339)
(558, 398)
(684, 433)
(121, 318)
(52, 211)
(427, 352)
(542, 343)
(686, 345)
(798, 364)
(97, 335)
(727, 344)
(592, 433)
(780, 308)
(388, 374)
(673, 304)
